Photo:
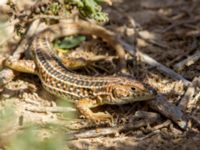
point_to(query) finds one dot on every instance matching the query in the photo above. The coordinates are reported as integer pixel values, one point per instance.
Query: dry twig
(152, 62)
(55, 109)
(167, 71)
(112, 130)
(169, 110)
(188, 61)
(188, 95)
(182, 22)
(189, 100)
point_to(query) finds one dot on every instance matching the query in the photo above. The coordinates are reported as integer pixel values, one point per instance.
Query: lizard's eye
(132, 88)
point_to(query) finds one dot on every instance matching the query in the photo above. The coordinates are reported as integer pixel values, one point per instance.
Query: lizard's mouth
(132, 99)
(139, 98)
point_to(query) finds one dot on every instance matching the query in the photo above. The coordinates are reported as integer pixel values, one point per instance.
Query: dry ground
(169, 32)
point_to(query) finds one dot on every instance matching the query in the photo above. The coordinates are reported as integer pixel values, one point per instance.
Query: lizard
(84, 91)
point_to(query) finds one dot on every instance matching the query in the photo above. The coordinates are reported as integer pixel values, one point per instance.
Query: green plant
(90, 8)
(28, 139)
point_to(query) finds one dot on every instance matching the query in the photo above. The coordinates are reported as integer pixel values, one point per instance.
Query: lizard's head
(130, 90)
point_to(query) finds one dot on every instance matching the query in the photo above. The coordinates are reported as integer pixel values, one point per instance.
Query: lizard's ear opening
(120, 91)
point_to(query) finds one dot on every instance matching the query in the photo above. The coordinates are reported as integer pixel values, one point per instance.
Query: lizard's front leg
(85, 105)
(26, 66)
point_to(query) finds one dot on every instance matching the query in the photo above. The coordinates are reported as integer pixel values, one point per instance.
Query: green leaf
(91, 5)
(70, 42)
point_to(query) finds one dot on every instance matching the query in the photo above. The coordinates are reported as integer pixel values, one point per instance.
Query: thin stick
(167, 71)
(23, 45)
(55, 109)
(189, 99)
(182, 22)
(164, 124)
(112, 130)
(188, 95)
(169, 110)
(188, 61)
(152, 62)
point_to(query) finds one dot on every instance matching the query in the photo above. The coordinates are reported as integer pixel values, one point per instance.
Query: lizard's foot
(84, 106)
(101, 117)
